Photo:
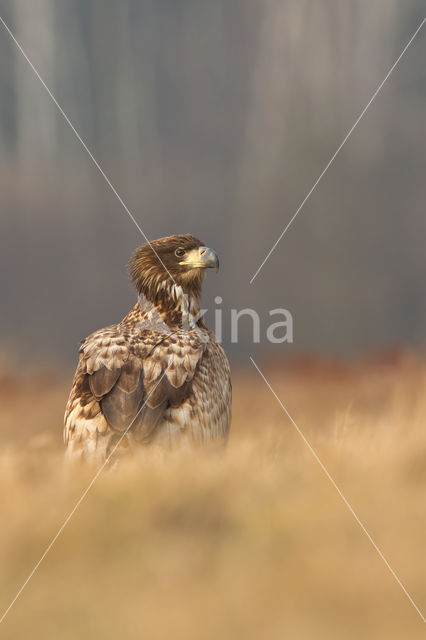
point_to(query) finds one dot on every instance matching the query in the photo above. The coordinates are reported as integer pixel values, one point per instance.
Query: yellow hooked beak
(202, 258)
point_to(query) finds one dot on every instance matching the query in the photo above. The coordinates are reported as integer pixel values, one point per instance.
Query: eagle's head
(165, 266)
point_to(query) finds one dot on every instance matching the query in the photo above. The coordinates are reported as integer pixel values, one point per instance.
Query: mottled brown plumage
(159, 374)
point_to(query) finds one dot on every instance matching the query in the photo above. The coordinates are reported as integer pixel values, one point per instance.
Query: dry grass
(256, 544)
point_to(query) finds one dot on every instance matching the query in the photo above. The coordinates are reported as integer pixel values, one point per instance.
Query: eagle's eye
(179, 253)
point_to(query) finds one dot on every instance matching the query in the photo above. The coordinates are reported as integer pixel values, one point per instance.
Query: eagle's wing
(124, 379)
(212, 391)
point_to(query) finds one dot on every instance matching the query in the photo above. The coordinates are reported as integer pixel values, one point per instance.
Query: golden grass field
(252, 544)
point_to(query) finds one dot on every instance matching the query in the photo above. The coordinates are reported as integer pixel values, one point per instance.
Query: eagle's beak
(203, 258)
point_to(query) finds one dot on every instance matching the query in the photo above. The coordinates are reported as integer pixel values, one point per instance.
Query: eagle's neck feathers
(163, 305)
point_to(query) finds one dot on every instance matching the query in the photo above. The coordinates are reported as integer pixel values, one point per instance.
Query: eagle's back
(166, 388)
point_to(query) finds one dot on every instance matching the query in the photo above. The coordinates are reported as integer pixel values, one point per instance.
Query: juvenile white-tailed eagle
(159, 374)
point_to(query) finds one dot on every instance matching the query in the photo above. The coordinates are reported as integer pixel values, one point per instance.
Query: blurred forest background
(215, 118)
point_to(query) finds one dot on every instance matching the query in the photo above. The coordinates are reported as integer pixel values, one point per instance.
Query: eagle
(159, 377)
